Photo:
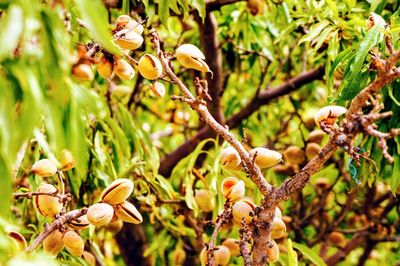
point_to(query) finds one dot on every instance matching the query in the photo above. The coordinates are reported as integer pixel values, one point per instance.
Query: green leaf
(119, 137)
(333, 7)
(292, 256)
(125, 6)
(173, 4)
(340, 59)
(11, 25)
(163, 11)
(166, 186)
(390, 90)
(351, 82)
(87, 99)
(44, 145)
(322, 37)
(360, 81)
(185, 6)
(188, 181)
(6, 185)
(315, 30)
(184, 168)
(95, 16)
(98, 147)
(200, 6)
(395, 179)
(159, 239)
(75, 136)
(309, 253)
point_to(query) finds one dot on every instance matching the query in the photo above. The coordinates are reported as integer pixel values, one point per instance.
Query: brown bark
(299, 181)
(132, 243)
(356, 241)
(265, 97)
(212, 52)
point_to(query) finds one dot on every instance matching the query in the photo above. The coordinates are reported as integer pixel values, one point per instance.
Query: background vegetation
(272, 71)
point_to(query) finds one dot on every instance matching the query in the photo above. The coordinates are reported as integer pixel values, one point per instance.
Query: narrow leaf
(95, 16)
(370, 40)
(292, 256)
(11, 30)
(395, 179)
(309, 253)
(315, 30)
(6, 185)
(163, 11)
(200, 6)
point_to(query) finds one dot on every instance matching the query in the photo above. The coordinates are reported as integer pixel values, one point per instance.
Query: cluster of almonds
(222, 253)
(112, 211)
(295, 157)
(230, 159)
(233, 190)
(263, 157)
(46, 168)
(325, 119)
(47, 205)
(243, 208)
(113, 207)
(128, 36)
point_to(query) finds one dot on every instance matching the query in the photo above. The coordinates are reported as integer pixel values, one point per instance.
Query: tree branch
(356, 241)
(169, 162)
(252, 170)
(267, 95)
(351, 127)
(299, 181)
(132, 242)
(221, 219)
(59, 221)
(212, 51)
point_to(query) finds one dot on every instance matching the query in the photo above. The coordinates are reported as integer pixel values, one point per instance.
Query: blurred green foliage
(44, 109)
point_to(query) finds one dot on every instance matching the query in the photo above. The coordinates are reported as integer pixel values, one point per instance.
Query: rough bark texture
(61, 220)
(262, 232)
(265, 97)
(298, 182)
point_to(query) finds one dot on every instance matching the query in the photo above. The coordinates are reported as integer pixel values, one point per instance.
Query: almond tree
(199, 132)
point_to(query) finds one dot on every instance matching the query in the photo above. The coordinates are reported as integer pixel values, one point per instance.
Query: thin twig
(59, 221)
(30, 195)
(254, 172)
(20, 157)
(221, 219)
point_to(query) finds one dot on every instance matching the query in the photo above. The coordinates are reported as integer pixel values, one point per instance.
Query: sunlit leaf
(292, 256)
(395, 178)
(373, 36)
(6, 185)
(163, 11)
(309, 254)
(200, 6)
(95, 16)
(11, 25)
(315, 30)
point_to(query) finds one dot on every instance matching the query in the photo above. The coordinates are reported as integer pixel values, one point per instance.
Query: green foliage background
(43, 108)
